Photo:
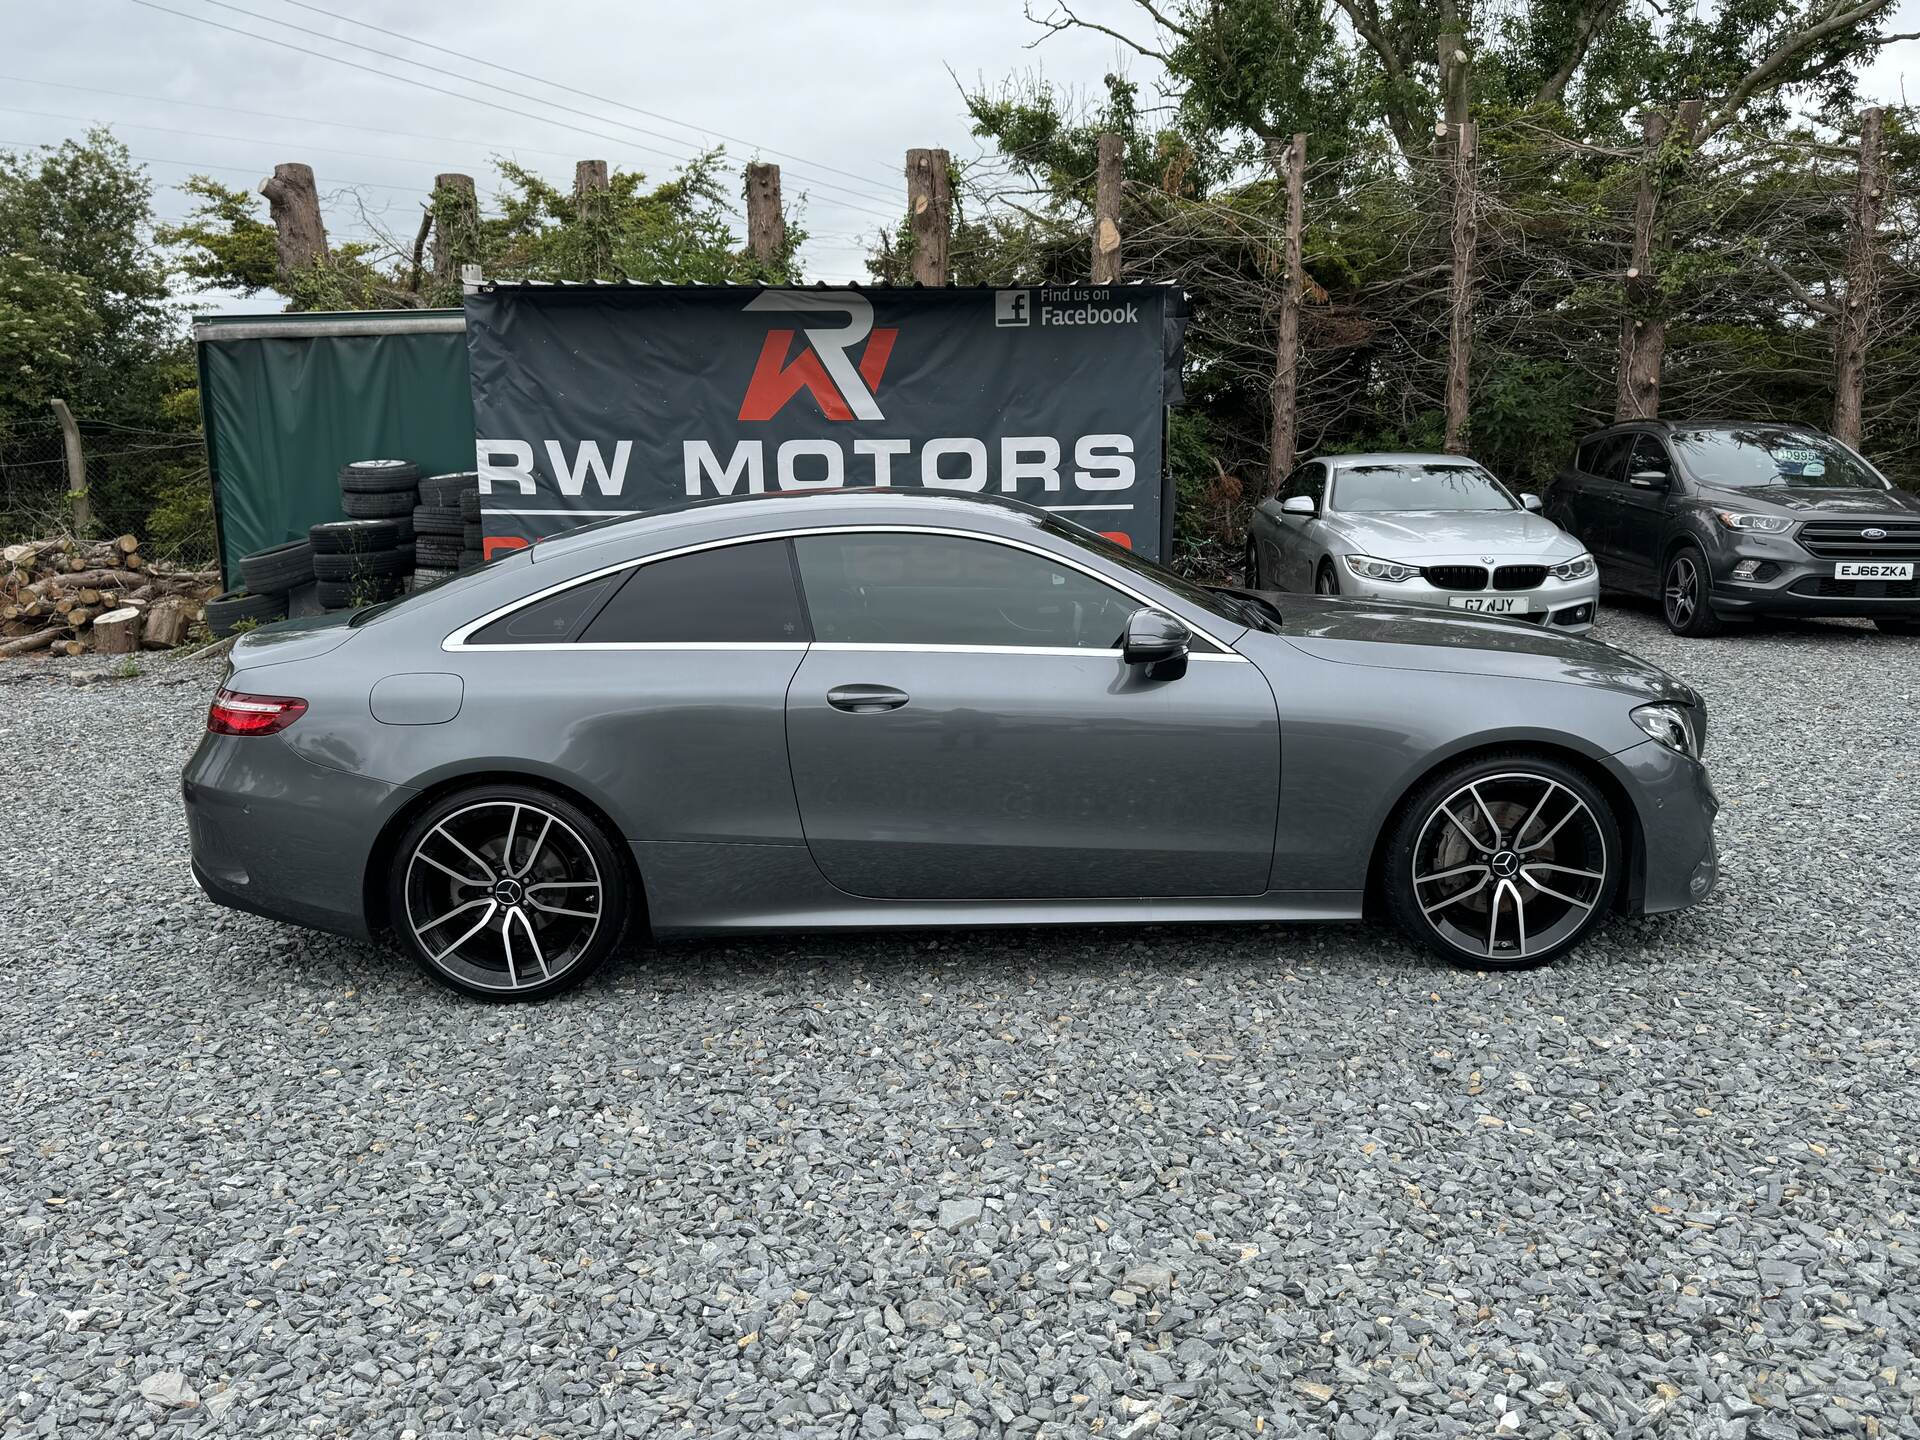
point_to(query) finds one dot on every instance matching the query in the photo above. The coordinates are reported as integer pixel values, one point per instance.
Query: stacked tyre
(446, 526)
(267, 577)
(358, 562)
(384, 490)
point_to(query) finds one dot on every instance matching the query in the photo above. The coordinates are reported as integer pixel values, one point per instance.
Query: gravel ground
(1279, 1181)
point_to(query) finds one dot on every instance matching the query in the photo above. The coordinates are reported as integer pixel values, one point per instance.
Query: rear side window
(551, 621)
(732, 595)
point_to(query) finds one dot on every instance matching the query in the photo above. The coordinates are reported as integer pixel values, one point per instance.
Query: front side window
(1649, 457)
(1412, 486)
(1609, 454)
(731, 595)
(906, 589)
(1763, 455)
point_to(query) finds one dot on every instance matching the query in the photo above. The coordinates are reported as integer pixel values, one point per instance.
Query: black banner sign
(592, 401)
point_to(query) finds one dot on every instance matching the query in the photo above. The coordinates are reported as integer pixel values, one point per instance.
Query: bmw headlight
(1756, 524)
(1368, 568)
(1672, 726)
(1578, 568)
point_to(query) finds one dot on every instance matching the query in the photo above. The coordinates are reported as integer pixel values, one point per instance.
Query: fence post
(929, 213)
(1108, 178)
(76, 471)
(1283, 392)
(1643, 335)
(293, 199)
(766, 225)
(1856, 313)
(1460, 290)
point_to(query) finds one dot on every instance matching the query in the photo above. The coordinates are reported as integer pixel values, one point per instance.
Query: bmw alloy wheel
(504, 896)
(1510, 867)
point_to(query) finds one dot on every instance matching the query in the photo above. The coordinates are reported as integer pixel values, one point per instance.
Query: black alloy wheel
(1686, 595)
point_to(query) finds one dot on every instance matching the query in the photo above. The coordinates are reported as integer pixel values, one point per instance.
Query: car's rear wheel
(1503, 862)
(1251, 565)
(1325, 581)
(1686, 595)
(507, 892)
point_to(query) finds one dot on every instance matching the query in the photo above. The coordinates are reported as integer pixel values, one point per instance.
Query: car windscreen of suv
(1384, 489)
(1762, 455)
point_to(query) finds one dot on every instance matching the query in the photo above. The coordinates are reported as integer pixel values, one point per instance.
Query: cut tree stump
(117, 632)
(167, 621)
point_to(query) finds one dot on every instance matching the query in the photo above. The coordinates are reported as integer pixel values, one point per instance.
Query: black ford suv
(1726, 520)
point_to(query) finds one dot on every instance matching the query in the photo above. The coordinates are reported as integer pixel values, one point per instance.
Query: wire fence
(149, 483)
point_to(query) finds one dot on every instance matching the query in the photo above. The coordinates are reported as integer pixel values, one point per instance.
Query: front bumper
(1568, 605)
(1673, 798)
(276, 835)
(1793, 582)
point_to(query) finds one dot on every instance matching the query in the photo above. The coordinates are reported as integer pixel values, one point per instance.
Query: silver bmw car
(876, 708)
(1424, 529)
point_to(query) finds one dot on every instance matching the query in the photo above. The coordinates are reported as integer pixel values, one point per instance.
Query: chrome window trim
(457, 641)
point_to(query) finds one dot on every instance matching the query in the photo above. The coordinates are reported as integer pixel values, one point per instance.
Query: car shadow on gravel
(1774, 627)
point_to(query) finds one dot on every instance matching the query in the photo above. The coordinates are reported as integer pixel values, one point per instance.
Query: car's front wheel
(1254, 581)
(1325, 580)
(506, 892)
(1503, 862)
(1686, 595)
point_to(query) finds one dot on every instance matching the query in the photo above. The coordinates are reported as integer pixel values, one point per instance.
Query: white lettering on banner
(1014, 468)
(1089, 315)
(883, 452)
(936, 450)
(492, 471)
(748, 462)
(790, 450)
(1105, 461)
(587, 460)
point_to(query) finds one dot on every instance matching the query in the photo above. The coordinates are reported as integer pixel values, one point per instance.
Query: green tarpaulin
(288, 399)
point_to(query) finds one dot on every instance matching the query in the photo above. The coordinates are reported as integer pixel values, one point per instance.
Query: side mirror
(1298, 505)
(1648, 479)
(1158, 641)
(1531, 501)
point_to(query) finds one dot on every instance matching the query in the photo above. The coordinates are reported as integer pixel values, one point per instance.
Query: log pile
(68, 596)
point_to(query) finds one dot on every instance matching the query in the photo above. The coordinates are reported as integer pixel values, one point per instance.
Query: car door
(1300, 532)
(1640, 516)
(964, 728)
(1594, 505)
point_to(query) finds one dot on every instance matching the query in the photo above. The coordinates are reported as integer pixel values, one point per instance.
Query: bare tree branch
(1835, 17)
(1063, 19)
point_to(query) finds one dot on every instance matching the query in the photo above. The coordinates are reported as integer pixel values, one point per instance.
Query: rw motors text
(1023, 464)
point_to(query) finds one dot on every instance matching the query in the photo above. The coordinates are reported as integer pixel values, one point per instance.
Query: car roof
(1668, 426)
(1396, 457)
(776, 509)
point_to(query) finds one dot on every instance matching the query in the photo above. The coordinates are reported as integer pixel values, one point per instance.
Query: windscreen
(1405, 486)
(1761, 455)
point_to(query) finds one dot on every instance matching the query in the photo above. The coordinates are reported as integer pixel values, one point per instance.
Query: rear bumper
(276, 835)
(1676, 805)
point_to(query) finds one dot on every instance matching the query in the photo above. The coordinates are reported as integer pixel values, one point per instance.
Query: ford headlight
(1758, 524)
(1578, 568)
(1368, 568)
(1672, 726)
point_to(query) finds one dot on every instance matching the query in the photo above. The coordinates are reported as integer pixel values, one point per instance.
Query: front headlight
(1760, 524)
(1671, 725)
(1577, 568)
(1368, 568)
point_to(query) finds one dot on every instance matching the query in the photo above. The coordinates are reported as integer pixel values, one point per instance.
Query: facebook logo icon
(1012, 307)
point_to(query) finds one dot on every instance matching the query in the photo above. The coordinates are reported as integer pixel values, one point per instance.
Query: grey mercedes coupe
(878, 708)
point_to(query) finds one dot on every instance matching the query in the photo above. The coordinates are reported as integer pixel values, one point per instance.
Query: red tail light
(236, 714)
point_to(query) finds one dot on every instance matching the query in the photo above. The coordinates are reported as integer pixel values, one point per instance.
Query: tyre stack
(446, 526)
(383, 490)
(267, 578)
(359, 562)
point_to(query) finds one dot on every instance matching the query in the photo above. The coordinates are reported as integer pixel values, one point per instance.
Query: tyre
(405, 550)
(505, 892)
(1326, 580)
(1686, 595)
(383, 505)
(354, 567)
(1250, 566)
(445, 490)
(1888, 624)
(353, 537)
(278, 568)
(422, 578)
(361, 590)
(1502, 862)
(438, 520)
(470, 506)
(378, 477)
(436, 553)
(473, 535)
(238, 608)
(471, 560)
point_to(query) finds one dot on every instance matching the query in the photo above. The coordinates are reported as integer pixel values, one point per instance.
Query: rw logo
(841, 388)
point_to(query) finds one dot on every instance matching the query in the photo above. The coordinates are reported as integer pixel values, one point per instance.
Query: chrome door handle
(865, 699)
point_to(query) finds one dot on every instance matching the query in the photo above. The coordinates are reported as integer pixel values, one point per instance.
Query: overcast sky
(835, 92)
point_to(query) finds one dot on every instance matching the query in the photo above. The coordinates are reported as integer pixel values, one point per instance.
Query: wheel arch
(1625, 813)
(373, 880)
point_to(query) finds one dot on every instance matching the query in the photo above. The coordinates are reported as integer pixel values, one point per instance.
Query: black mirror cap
(1159, 641)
